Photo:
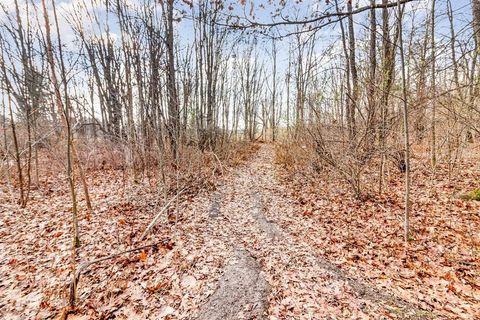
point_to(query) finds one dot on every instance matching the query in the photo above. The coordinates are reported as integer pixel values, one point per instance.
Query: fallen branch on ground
(154, 221)
(83, 266)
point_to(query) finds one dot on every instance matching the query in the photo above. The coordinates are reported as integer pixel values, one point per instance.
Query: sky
(261, 11)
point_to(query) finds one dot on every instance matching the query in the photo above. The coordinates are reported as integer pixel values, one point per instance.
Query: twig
(154, 221)
(219, 162)
(83, 266)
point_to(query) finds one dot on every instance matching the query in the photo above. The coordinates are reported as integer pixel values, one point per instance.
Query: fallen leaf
(189, 282)
(143, 256)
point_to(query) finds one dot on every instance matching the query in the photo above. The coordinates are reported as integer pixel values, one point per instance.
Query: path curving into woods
(270, 273)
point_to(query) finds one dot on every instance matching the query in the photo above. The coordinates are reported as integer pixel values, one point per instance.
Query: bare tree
(405, 125)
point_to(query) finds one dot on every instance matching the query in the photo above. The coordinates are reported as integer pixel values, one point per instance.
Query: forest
(239, 159)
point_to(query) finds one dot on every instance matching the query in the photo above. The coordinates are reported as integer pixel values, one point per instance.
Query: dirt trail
(248, 214)
(241, 291)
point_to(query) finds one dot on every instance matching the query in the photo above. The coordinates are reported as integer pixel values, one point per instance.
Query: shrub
(472, 195)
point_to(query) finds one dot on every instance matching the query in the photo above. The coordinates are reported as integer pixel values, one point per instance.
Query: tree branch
(319, 18)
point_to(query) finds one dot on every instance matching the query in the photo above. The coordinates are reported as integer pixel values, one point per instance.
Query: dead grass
(291, 156)
(194, 170)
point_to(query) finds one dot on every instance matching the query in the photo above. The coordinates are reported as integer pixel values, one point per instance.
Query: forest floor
(264, 242)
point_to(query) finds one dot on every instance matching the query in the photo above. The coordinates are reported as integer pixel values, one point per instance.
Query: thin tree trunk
(274, 90)
(18, 160)
(433, 90)
(173, 124)
(354, 73)
(406, 218)
(66, 113)
(371, 95)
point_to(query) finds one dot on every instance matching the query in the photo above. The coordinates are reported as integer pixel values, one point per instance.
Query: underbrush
(472, 195)
(292, 156)
(123, 208)
(199, 170)
(436, 269)
(193, 171)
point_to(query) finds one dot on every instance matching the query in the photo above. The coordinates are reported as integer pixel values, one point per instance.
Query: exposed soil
(245, 215)
(241, 293)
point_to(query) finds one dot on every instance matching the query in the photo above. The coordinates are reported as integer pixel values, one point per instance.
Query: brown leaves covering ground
(35, 243)
(317, 218)
(438, 270)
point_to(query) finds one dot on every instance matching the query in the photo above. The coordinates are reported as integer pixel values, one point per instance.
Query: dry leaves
(438, 272)
(35, 266)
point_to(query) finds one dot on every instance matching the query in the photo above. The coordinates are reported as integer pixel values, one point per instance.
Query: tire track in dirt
(271, 272)
(241, 292)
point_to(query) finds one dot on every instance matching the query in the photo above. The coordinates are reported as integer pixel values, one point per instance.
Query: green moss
(472, 195)
(406, 312)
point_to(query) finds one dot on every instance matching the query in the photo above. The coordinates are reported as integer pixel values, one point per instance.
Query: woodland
(239, 159)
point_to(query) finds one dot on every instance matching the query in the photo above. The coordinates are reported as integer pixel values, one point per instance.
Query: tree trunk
(433, 90)
(406, 218)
